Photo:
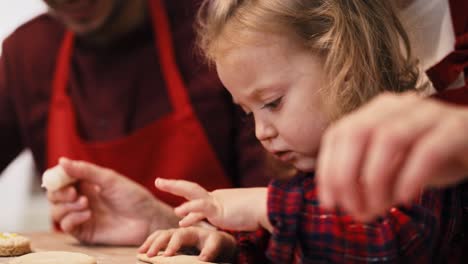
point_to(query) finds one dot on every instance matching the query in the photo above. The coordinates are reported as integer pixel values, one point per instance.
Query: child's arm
(213, 245)
(242, 209)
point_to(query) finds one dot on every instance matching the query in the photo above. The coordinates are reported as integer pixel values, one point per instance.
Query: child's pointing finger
(186, 189)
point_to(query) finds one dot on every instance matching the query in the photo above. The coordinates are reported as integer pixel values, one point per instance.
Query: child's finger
(146, 245)
(175, 243)
(210, 249)
(191, 219)
(159, 243)
(186, 189)
(203, 206)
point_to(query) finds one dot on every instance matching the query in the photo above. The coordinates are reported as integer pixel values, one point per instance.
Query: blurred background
(23, 206)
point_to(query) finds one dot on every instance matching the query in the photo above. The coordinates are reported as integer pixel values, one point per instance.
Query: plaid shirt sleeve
(251, 246)
(305, 233)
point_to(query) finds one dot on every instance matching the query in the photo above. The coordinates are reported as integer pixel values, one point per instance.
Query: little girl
(296, 67)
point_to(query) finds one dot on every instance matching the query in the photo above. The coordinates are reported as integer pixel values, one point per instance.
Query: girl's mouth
(285, 156)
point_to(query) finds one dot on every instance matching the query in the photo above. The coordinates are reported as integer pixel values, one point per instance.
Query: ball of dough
(55, 178)
(54, 257)
(13, 245)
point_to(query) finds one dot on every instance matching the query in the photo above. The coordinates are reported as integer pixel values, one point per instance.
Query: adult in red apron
(174, 146)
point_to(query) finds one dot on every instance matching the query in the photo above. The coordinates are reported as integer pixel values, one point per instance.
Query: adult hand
(105, 207)
(384, 153)
(241, 209)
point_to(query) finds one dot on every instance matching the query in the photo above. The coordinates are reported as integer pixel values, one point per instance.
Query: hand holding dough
(55, 178)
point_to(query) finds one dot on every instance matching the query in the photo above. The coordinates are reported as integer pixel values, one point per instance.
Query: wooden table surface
(62, 242)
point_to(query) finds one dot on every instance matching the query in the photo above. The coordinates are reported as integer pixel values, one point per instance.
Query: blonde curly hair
(364, 46)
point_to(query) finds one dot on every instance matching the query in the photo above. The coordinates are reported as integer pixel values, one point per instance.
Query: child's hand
(242, 209)
(213, 244)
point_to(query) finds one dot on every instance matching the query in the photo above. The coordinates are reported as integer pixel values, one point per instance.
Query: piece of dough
(54, 257)
(13, 245)
(179, 259)
(55, 178)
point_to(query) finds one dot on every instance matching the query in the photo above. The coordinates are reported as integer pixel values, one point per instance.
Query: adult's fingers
(73, 220)
(325, 169)
(349, 153)
(186, 189)
(344, 148)
(64, 195)
(88, 172)
(60, 210)
(388, 150)
(436, 156)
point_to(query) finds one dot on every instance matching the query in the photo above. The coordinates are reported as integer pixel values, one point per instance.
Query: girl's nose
(264, 130)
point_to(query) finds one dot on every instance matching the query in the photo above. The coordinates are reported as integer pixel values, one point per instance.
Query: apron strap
(177, 92)
(164, 45)
(62, 67)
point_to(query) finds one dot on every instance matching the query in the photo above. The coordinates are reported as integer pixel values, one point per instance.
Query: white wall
(15, 12)
(22, 206)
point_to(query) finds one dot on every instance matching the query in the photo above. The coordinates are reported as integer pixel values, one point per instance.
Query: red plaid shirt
(428, 231)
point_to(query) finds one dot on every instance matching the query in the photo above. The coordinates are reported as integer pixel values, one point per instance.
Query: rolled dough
(179, 259)
(54, 257)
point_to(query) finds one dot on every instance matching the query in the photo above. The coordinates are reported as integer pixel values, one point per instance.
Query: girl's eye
(273, 105)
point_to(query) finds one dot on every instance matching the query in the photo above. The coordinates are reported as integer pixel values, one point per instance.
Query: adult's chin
(81, 30)
(86, 27)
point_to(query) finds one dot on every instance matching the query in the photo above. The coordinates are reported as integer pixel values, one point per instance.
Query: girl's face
(278, 82)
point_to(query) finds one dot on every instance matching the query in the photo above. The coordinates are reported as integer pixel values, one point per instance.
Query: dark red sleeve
(448, 70)
(10, 136)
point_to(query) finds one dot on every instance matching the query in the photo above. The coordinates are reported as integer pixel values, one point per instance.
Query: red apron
(174, 146)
